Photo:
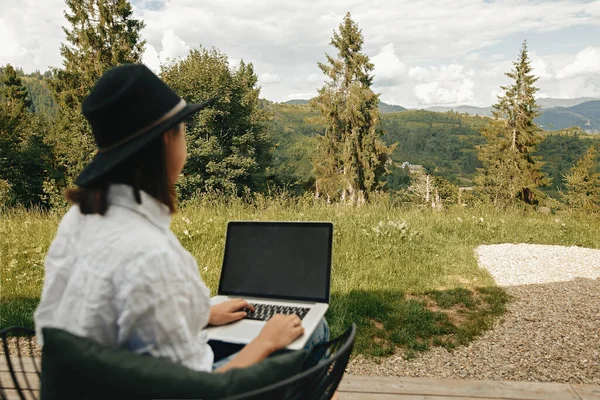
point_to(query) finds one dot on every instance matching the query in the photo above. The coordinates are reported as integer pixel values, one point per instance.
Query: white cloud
(445, 43)
(268, 78)
(443, 73)
(494, 95)
(300, 96)
(30, 33)
(445, 92)
(539, 67)
(587, 61)
(312, 78)
(151, 58)
(10, 49)
(388, 67)
(172, 48)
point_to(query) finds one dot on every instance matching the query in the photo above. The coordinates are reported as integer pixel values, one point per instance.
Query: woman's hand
(281, 330)
(277, 333)
(229, 311)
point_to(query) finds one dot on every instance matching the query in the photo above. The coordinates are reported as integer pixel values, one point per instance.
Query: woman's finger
(241, 303)
(298, 331)
(239, 315)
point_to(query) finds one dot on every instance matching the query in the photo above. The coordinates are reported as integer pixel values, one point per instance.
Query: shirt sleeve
(164, 308)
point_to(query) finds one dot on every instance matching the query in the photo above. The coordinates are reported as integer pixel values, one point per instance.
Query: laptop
(280, 268)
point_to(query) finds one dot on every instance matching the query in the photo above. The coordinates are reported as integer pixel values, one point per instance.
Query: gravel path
(551, 331)
(523, 264)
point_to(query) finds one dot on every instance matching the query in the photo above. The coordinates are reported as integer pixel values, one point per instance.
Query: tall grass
(400, 272)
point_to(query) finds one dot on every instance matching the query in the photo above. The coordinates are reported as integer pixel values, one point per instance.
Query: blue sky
(426, 52)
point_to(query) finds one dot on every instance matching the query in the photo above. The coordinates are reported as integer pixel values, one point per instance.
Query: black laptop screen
(278, 260)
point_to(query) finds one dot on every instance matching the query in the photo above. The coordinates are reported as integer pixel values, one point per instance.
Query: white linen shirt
(124, 280)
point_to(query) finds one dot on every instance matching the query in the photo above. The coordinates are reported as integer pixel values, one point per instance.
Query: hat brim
(103, 163)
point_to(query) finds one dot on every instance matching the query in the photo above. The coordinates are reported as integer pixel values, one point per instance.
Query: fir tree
(24, 158)
(510, 172)
(14, 96)
(351, 156)
(102, 34)
(583, 183)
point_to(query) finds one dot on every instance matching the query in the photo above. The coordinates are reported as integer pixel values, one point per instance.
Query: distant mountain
(296, 101)
(471, 110)
(585, 115)
(553, 103)
(384, 108)
(556, 114)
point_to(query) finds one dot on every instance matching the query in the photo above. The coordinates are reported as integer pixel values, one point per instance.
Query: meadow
(408, 276)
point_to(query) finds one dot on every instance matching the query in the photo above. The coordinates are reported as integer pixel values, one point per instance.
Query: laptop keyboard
(264, 312)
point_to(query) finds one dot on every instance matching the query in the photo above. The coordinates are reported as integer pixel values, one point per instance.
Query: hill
(548, 102)
(471, 110)
(556, 114)
(296, 102)
(444, 143)
(584, 115)
(384, 108)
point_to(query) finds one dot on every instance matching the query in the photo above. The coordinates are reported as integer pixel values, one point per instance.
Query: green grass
(407, 276)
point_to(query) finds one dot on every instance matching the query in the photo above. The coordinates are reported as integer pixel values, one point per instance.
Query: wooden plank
(457, 388)
(587, 392)
(12, 394)
(382, 396)
(7, 382)
(28, 364)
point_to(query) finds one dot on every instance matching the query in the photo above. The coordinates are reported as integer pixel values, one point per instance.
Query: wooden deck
(393, 388)
(384, 388)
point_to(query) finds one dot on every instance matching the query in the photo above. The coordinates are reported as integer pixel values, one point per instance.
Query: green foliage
(351, 156)
(101, 34)
(42, 101)
(442, 142)
(560, 151)
(583, 183)
(295, 138)
(6, 194)
(510, 172)
(13, 94)
(38, 91)
(229, 148)
(24, 158)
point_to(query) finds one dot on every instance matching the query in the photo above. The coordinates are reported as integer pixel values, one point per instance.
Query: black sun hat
(127, 108)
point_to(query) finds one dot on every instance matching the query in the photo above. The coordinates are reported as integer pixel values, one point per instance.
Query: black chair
(22, 380)
(322, 373)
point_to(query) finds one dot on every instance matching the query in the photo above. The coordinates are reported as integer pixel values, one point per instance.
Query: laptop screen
(282, 260)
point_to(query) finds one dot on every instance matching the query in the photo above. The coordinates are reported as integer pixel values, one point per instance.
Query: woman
(115, 272)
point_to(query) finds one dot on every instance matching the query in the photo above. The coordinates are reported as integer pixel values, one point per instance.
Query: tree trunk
(361, 200)
(351, 194)
(514, 139)
(427, 189)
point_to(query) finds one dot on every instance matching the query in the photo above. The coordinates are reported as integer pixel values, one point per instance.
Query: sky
(425, 52)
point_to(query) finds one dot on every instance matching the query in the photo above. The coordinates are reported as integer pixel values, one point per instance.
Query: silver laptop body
(275, 264)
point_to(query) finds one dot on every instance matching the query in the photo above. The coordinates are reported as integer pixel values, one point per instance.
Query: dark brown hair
(144, 171)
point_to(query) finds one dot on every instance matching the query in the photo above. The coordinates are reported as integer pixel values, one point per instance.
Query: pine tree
(351, 157)
(102, 34)
(24, 158)
(583, 183)
(510, 172)
(14, 96)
